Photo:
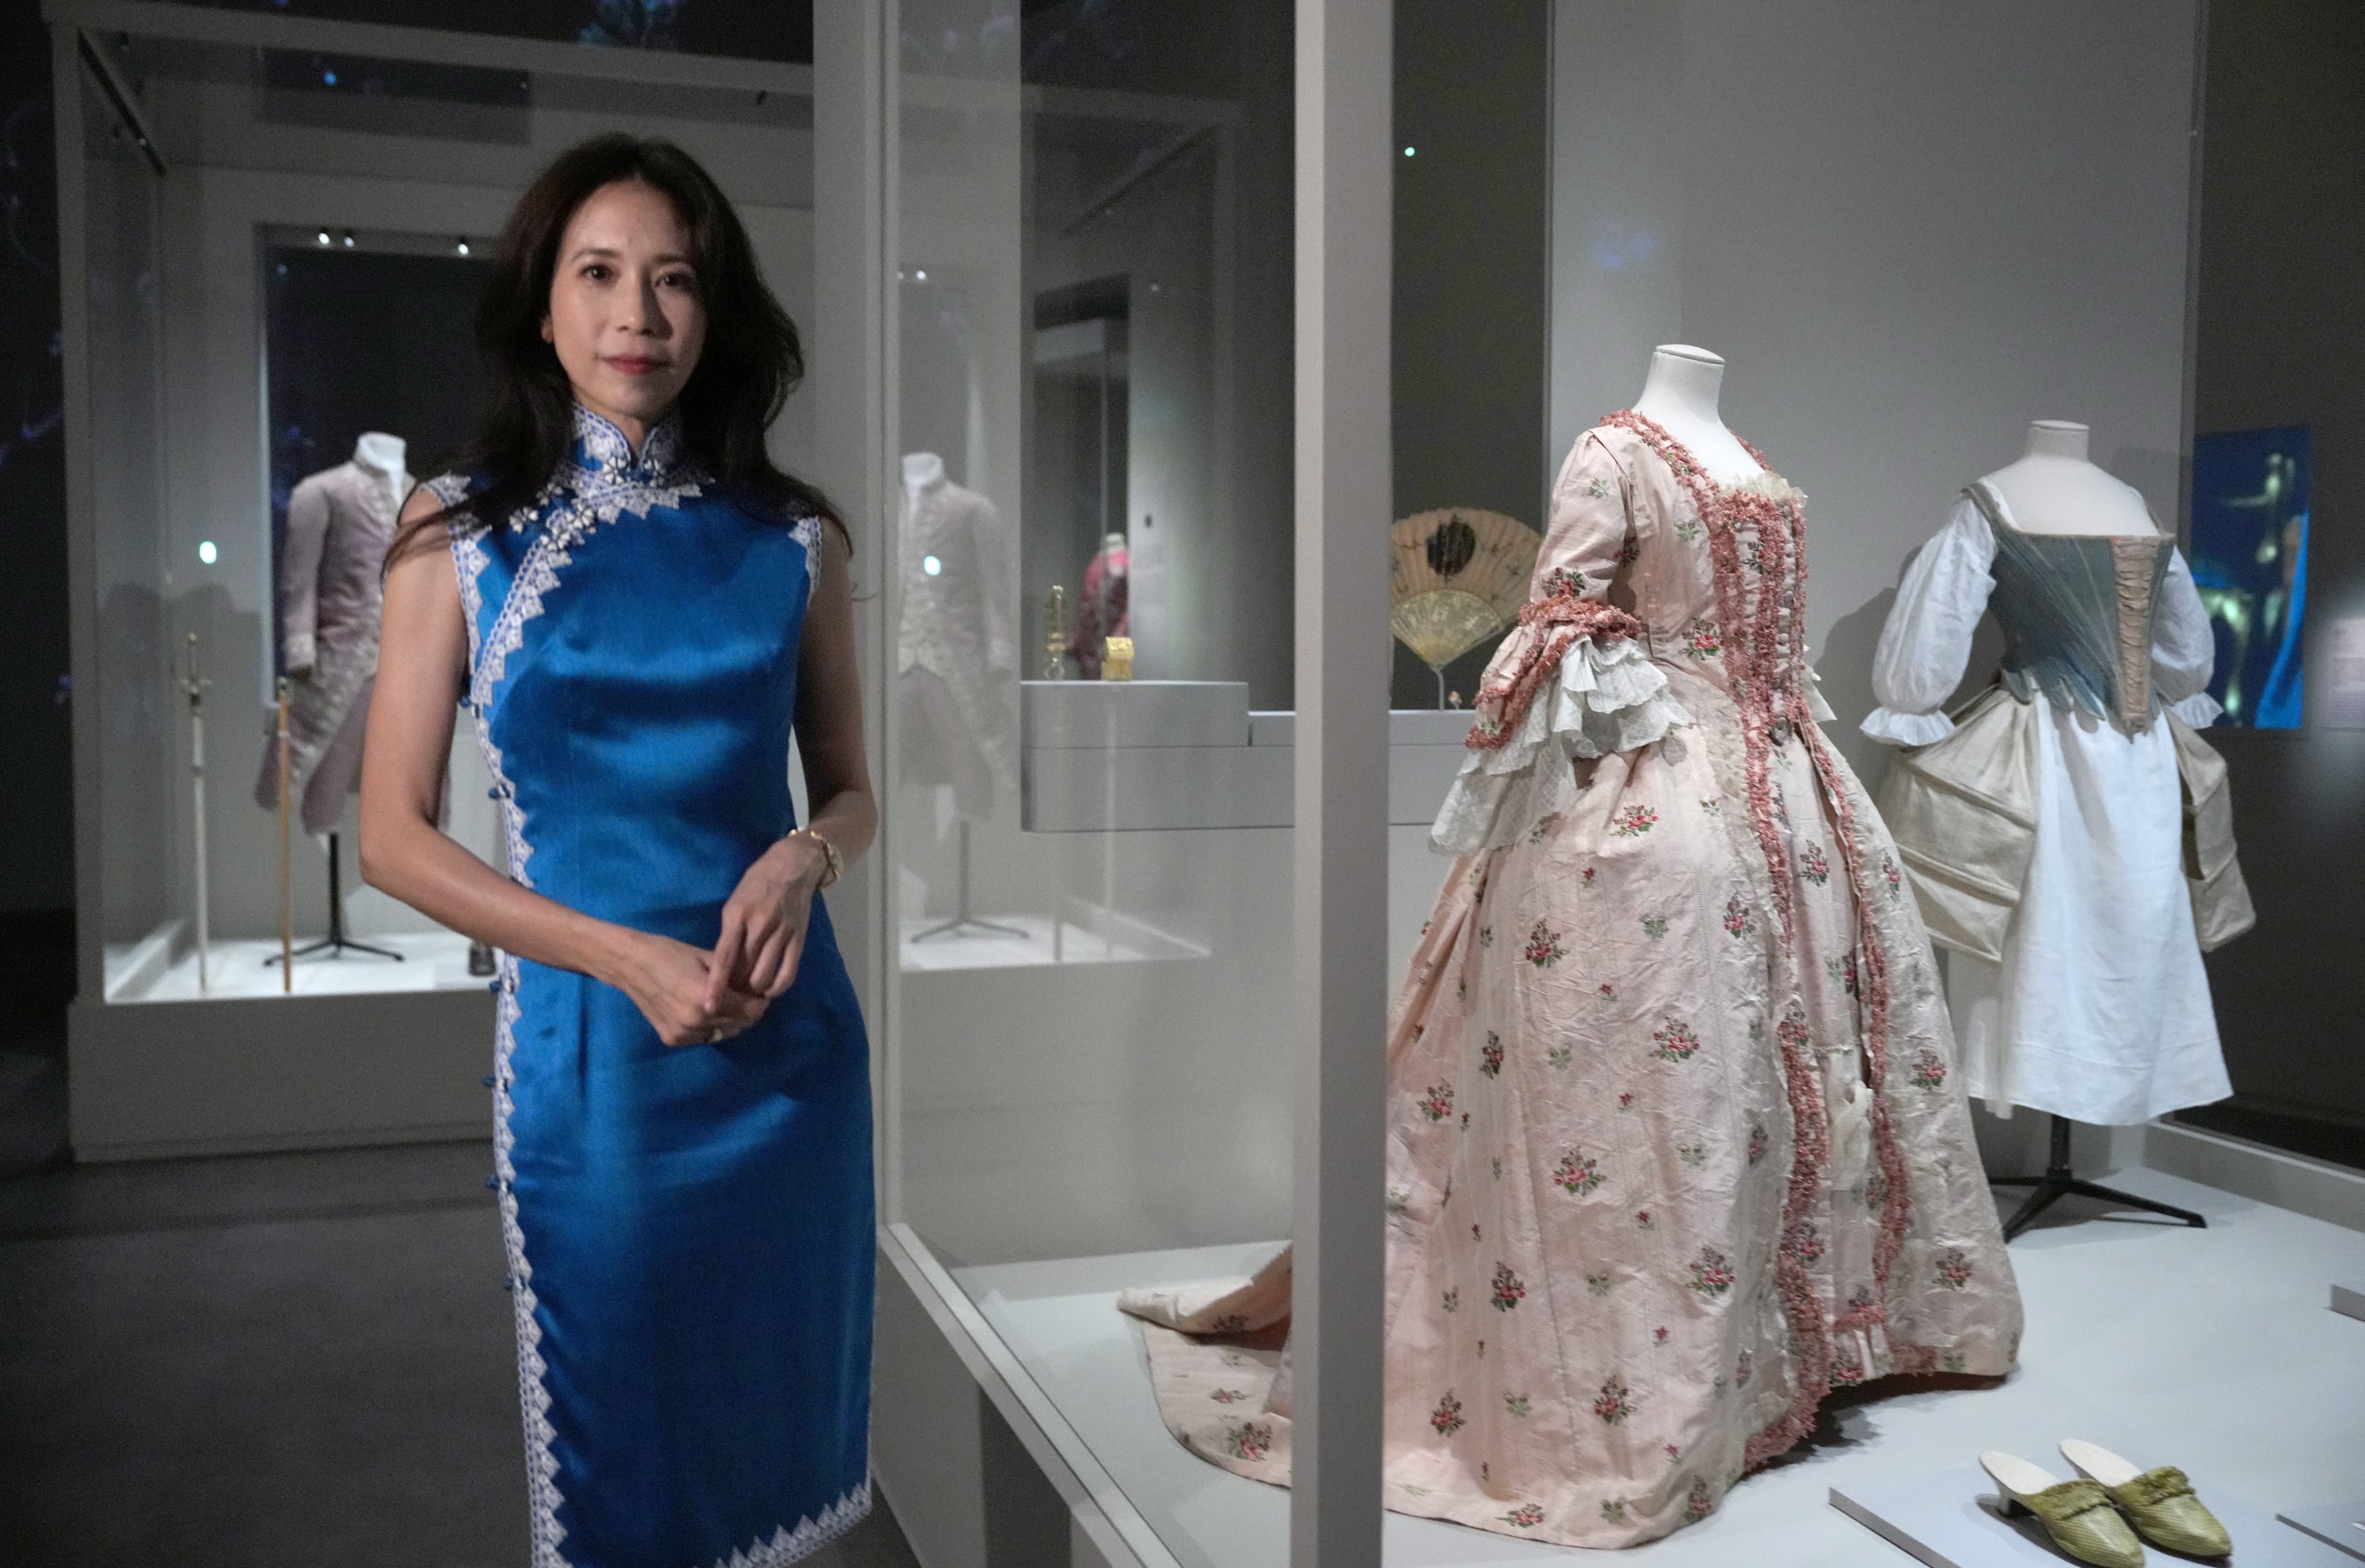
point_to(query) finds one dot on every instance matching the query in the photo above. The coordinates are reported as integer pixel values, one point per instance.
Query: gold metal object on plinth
(1055, 634)
(287, 867)
(1456, 576)
(1116, 658)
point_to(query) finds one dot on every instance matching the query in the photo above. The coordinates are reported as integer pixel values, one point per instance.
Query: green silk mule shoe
(2077, 1515)
(2160, 1503)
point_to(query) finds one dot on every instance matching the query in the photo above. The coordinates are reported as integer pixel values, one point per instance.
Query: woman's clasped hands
(694, 997)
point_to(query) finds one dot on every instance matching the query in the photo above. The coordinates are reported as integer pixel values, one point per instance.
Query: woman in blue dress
(636, 610)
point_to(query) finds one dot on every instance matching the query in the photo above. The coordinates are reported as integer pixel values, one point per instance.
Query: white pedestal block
(1146, 756)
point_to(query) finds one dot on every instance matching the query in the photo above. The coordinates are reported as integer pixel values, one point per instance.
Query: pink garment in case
(1676, 1147)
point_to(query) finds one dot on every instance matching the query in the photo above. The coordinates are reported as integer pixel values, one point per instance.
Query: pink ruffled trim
(1810, 1154)
(1765, 668)
(1504, 698)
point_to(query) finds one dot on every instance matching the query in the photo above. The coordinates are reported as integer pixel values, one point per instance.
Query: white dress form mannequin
(1679, 396)
(383, 454)
(948, 728)
(921, 469)
(2053, 488)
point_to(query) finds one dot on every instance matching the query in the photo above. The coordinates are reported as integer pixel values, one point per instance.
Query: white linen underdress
(2100, 1010)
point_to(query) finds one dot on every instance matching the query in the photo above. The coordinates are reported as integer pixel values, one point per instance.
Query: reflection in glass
(2249, 560)
(1091, 395)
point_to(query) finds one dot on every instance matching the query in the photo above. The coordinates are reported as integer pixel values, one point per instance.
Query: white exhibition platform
(2211, 1350)
(428, 961)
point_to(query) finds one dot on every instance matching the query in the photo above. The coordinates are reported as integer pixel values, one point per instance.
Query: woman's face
(626, 315)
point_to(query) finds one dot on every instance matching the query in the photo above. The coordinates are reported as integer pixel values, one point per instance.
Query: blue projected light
(2249, 561)
(329, 77)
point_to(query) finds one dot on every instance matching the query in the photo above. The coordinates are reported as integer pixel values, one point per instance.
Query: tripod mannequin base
(336, 943)
(962, 921)
(2060, 1181)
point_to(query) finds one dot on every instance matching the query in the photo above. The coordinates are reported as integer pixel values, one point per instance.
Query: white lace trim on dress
(811, 1535)
(1610, 697)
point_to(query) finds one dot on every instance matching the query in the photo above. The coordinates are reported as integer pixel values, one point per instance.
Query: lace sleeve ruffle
(1608, 696)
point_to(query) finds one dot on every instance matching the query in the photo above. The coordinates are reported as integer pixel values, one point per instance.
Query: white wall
(1909, 229)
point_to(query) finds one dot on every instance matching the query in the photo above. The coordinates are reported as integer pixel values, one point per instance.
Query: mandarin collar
(601, 449)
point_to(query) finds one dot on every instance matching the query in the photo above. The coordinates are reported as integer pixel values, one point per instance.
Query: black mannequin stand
(2060, 1182)
(335, 944)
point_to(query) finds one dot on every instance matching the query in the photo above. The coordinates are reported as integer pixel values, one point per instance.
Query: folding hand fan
(1456, 576)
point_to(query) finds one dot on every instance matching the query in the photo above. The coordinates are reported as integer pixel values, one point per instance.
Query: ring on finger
(714, 1036)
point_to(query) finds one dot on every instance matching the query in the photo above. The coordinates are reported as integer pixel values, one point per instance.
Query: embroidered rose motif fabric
(1691, 1135)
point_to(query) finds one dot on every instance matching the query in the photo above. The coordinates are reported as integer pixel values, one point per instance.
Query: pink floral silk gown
(1673, 1149)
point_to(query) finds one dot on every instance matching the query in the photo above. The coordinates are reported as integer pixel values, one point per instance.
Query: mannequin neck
(2057, 438)
(2054, 487)
(1679, 395)
(1113, 554)
(922, 469)
(1683, 381)
(382, 451)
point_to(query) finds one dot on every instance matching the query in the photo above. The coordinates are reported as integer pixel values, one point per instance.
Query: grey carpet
(281, 1360)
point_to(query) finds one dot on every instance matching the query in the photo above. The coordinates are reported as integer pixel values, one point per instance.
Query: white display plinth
(1952, 1518)
(2209, 1350)
(1126, 756)
(2349, 1300)
(250, 968)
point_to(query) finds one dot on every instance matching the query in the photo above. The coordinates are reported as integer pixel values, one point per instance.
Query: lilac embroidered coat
(340, 522)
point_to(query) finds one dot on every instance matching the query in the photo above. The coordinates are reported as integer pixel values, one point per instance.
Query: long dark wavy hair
(751, 361)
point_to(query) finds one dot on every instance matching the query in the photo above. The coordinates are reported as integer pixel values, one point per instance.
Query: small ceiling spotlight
(1409, 151)
(349, 239)
(323, 236)
(461, 246)
(921, 275)
(207, 552)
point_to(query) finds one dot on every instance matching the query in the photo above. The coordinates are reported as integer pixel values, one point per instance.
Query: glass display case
(1089, 416)
(1156, 353)
(284, 222)
(1095, 1002)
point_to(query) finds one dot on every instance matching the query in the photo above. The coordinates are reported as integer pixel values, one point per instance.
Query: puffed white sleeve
(2184, 649)
(1927, 643)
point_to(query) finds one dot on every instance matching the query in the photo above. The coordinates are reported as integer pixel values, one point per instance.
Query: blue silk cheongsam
(689, 1228)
